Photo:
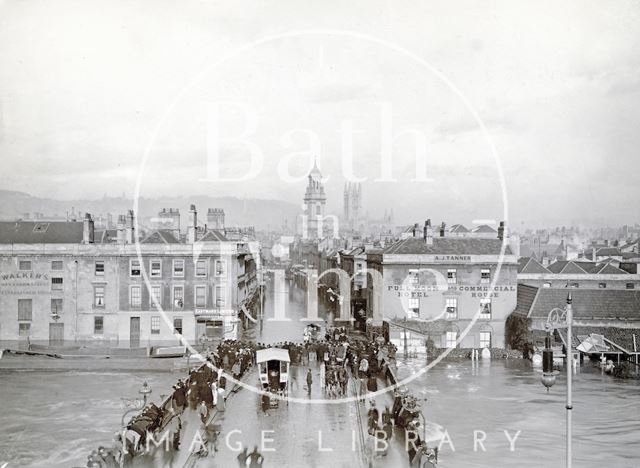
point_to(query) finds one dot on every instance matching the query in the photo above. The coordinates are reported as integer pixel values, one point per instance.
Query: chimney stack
(502, 230)
(593, 254)
(192, 228)
(442, 228)
(120, 227)
(87, 229)
(428, 232)
(129, 234)
(215, 218)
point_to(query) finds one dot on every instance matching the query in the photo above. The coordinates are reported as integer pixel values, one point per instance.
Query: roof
(32, 232)
(458, 228)
(526, 296)
(485, 228)
(528, 265)
(105, 236)
(608, 252)
(447, 246)
(581, 268)
(213, 235)
(609, 269)
(160, 236)
(566, 267)
(587, 303)
(272, 354)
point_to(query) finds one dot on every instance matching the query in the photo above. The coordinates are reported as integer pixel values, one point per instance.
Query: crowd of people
(338, 357)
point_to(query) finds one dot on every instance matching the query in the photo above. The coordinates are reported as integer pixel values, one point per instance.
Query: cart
(273, 369)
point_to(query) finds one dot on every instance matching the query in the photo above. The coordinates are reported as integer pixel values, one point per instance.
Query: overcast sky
(84, 85)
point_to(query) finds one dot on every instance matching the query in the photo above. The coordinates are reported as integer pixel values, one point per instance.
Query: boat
(168, 351)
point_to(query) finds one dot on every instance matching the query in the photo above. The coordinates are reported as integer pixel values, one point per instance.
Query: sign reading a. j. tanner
(422, 290)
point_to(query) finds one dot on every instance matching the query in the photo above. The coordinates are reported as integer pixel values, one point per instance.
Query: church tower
(352, 204)
(314, 201)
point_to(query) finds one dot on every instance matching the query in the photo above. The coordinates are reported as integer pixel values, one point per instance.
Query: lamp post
(560, 318)
(145, 391)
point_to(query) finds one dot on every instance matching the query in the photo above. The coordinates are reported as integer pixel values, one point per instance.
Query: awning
(272, 354)
(593, 343)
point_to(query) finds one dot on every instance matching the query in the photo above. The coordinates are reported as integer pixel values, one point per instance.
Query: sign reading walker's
(24, 283)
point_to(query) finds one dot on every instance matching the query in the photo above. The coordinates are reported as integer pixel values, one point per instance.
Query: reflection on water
(507, 395)
(57, 411)
(60, 410)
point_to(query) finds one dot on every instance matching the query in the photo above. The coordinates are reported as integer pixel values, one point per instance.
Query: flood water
(56, 411)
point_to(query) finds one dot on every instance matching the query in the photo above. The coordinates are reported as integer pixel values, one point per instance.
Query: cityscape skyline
(582, 96)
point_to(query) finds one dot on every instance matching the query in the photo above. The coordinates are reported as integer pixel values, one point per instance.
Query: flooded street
(48, 420)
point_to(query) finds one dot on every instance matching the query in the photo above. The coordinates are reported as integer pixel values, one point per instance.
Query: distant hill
(249, 212)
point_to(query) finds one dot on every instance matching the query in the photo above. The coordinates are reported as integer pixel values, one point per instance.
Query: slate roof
(587, 303)
(447, 246)
(581, 268)
(526, 296)
(485, 228)
(566, 267)
(458, 228)
(33, 232)
(105, 236)
(160, 236)
(529, 265)
(213, 235)
(609, 269)
(608, 252)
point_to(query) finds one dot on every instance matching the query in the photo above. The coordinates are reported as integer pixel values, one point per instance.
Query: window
(485, 339)
(450, 339)
(221, 268)
(25, 308)
(155, 325)
(56, 265)
(201, 296)
(56, 306)
(135, 297)
(24, 329)
(602, 285)
(134, 267)
(452, 277)
(98, 325)
(413, 279)
(221, 296)
(631, 286)
(156, 295)
(452, 308)
(56, 284)
(98, 296)
(178, 268)
(414, 308)
(201, 268)
(177, 325)
(156, 268)
(178, 297)
(99, 268)
(24, 265)
(546, 285)
(485, 275)
(485, 308)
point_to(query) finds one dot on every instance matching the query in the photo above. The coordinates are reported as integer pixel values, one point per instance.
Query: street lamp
(145, 391)
(560, 318)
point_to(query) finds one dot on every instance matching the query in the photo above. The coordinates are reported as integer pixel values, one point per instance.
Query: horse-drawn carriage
(273, 368)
